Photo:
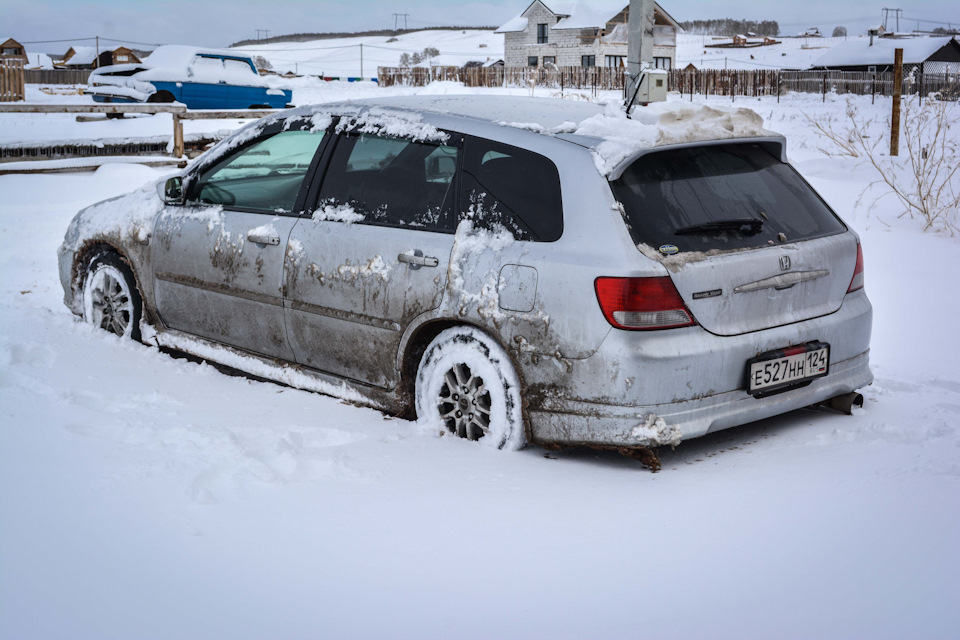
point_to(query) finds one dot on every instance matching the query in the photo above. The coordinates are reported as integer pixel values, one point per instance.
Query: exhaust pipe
(844, 403)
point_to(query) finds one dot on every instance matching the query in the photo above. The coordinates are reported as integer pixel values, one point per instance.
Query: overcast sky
(216, 24)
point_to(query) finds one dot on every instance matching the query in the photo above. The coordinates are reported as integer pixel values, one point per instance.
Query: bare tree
(839, 32)
(262, 63)
(925, 180)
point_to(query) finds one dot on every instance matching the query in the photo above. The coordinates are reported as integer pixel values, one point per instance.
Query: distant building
(931, 55)
(583, 33)
(10, 49)
(87, 58)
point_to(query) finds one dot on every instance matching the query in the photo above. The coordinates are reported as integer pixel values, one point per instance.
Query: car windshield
(729, 196)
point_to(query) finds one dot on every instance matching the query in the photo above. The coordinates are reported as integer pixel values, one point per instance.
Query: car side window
(264, 176)
(513, 188)
(237, 69)
(393, 181)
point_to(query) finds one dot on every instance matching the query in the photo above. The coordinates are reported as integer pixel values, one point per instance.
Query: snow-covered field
(143, 496)
(342, 56)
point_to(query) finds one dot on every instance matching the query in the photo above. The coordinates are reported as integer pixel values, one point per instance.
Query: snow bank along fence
(126, 147)
(719, 82)
(11, 80)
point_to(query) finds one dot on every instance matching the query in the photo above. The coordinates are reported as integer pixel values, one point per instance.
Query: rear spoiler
(776, 145)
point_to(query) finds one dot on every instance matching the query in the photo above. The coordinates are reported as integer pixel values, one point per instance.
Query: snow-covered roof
(82, 55)
(612, 138)
(516, 23)
(38, 61)
(579, 14)
(591, 15)
(860, 52)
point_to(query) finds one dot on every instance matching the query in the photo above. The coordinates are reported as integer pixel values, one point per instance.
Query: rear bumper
(573, 423)
(662, 387)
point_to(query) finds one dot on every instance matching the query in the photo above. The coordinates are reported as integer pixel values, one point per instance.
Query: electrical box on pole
(643, 84)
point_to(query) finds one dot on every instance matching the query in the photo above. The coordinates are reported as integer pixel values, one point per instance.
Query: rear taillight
(857, 281)
(642, 303)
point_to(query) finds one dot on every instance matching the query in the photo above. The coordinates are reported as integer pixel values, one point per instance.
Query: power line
(52, 41)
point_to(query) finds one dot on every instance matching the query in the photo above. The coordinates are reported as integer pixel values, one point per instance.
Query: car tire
(162, 97)
(466, 384)
(111, 300)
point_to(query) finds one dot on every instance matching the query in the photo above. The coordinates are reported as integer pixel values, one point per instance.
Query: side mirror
(171, 192)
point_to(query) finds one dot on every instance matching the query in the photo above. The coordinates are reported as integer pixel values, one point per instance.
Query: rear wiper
(747, 225)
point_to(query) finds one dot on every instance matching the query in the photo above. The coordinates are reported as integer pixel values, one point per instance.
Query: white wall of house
(566, 47)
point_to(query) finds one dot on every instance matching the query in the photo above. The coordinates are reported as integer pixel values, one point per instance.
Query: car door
(372, 256)
(218, 261)
(206, 87)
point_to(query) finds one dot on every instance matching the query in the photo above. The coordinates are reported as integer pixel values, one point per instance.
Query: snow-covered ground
(143, 496)
(345, 57)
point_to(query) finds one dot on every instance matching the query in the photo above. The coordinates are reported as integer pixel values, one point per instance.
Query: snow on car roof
(176, 56)
(604, 129)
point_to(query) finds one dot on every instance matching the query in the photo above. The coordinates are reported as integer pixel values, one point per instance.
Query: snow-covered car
(513, 270)
(199, 78)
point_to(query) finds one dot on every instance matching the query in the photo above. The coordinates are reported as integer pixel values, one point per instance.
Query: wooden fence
(709, 82)
(56, 76)
(11, 80)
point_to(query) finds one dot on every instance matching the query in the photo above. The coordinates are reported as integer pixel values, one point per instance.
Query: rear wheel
(466, 383)
(110, 297)
(161, 96)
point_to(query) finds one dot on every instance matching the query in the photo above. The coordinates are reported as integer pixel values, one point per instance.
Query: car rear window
(729, 196)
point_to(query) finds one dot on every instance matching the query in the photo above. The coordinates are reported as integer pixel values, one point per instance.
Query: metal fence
(709, 82)
(11, 80)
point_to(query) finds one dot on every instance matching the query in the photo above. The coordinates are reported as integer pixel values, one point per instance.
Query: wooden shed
(10, 49)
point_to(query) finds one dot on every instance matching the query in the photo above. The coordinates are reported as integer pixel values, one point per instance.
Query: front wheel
(110, 297)
(467, 383)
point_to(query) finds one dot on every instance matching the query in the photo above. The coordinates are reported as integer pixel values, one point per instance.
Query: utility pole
(886, 14)
(361, 61)
(263, 31)
(895, 116)
(397, 17)
(639, 50)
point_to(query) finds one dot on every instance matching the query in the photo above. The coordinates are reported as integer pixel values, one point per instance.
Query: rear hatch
(748, 243)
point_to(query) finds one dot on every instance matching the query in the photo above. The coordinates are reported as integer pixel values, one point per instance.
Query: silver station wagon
(513, 270)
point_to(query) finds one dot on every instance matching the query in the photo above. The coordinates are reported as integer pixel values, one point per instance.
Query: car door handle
(416, 259)
(262, 238)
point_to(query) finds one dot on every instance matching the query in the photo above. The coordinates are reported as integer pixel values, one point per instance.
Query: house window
(11, 51)
(549, 60)
(588, 61)
(122, 57)
(661, 63)
(542, 33)
(614, 61)
(872, 69)
(532, 61)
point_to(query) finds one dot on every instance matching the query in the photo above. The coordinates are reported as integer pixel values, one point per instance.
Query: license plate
(794, 366)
